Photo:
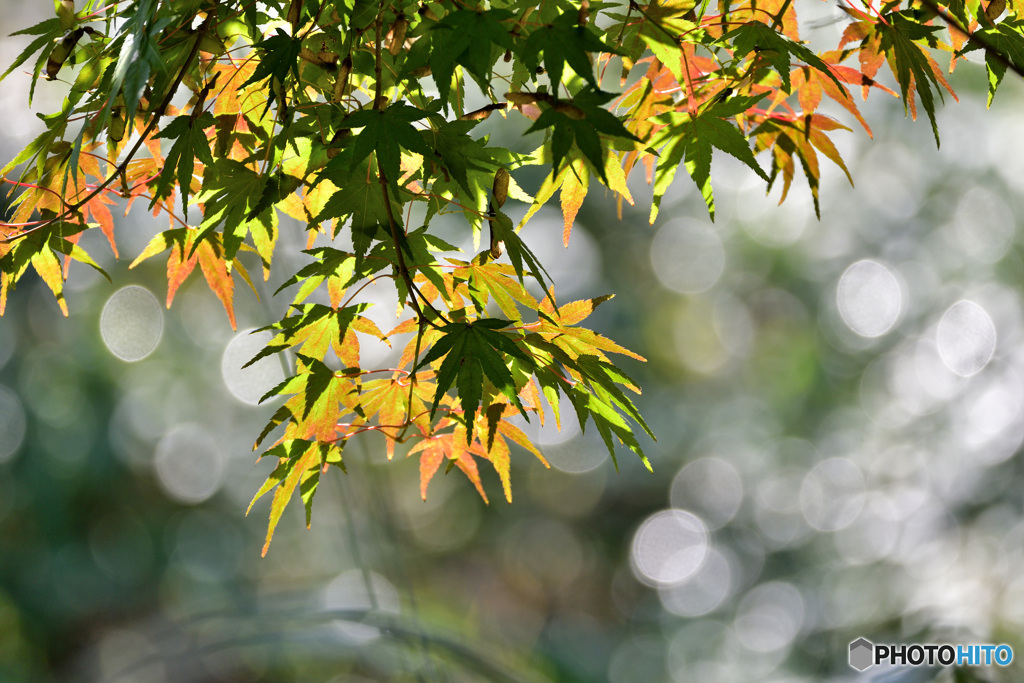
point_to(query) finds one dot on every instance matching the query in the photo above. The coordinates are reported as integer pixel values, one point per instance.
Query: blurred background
(838, 406)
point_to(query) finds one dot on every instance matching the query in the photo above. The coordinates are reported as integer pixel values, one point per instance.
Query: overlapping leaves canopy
(352, 117)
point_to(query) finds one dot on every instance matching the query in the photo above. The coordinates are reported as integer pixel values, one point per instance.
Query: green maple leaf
(279, 59)
(464, 37)
(1007, 38)
(776, 49)
(39, 249)
(337, 268)
(663, 21)
(562, 42)
(458, 151)
(558, 346)
(317, 328)
(386, 131)
(359, 198)
(420, 249)
(471, 352)
(300, 463)
(48, 32)
(496, 279)
(317, 396)
(580, 121)
(179, 167)
(910, 63)
(692, 138)
(518, 252)
(231, 190)
(481, 162)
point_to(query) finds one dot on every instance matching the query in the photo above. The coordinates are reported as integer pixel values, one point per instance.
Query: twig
(73, 208)
(403, 269)
(977, 37)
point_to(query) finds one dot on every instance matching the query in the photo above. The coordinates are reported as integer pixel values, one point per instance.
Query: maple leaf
(300, 464)
(774, 49)
(472, 351)
(562, 42)
(360, 200)
(579, 121)
(337, 268)
(186, 252)
(419, 247)
(693, 137)
(557, 345)
(1007, 39)
(911, 65)
(460, 152)
(230, 196)
(574, 182)
(662, 22)
(40, 250)
(319, 397)
(799, 138)
(496, 279)
(518, 252)
(189, 142)
(231, 96)
(384, 132)
(462, 37)
(280, 58)
(388, 399)
(435, 449)
(317, 328)
(810, 84)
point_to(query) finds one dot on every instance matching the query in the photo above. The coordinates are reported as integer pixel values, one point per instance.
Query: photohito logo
(864, 654)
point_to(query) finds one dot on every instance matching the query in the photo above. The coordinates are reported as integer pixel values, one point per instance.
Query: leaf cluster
(362, 118)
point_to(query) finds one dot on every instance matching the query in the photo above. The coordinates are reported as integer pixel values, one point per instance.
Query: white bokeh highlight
(711, 487)
(870, 298)
(966, 338)
(770, 617)
(250, 384)
(131, 323)
(669, 547)
(704, 592)
(189, 465)
(687, 256)
(832, 494)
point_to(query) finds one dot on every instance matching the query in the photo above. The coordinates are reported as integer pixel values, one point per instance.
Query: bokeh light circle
(669, 547)
(706, 590)
(188, 464)
(966, 338)
(770, 617)
(832, 494)
(250, 384)
(131, 323)
(711, 487)
(870, 298)
(687, 256)
(985, 225)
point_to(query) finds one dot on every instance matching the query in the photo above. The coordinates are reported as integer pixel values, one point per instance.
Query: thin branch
(403, 269)
(72, 209)
(979, 38)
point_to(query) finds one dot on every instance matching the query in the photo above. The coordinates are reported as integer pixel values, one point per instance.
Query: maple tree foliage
(346, 114)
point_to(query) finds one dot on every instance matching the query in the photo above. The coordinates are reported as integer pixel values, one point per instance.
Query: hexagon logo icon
(862, 653)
